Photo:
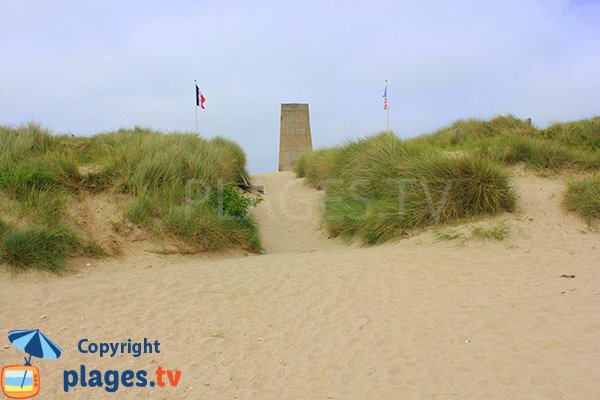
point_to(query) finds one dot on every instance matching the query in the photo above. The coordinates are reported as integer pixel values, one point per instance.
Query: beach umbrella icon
(34, 343)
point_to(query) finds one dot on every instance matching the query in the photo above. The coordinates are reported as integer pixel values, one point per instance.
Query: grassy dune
(172, 180)
(381, 187)
(583, 197)
(509, 140)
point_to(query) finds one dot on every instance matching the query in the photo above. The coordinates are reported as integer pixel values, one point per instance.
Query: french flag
(199, 98)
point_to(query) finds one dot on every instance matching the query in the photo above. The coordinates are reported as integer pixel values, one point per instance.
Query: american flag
(385, 99)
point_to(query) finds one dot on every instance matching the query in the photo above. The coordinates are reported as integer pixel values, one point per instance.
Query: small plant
(448, 234)
(233, 202)
(499, 232)
(219, 335)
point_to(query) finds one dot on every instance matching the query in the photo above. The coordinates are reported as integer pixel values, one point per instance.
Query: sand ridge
(317, 319)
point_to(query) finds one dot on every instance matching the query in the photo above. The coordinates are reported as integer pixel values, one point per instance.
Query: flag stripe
(385, 99)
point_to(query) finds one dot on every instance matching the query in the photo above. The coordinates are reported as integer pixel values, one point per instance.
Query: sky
(87, 67)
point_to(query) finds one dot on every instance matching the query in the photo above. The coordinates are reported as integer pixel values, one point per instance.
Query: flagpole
(196, 106)
(388, 118)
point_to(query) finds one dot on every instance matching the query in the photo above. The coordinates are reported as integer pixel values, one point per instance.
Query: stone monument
(294, 137)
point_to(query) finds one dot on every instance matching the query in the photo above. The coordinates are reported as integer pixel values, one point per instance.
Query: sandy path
(318, 320)
(290, 215)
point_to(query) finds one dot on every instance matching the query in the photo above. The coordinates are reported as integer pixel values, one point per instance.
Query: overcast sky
(92, 66)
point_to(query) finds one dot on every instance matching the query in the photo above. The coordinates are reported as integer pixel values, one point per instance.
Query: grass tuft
(447, 235)
(583, 197)
(38, 247)
(499, 232)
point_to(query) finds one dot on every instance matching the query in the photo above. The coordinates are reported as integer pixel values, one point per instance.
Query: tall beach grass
(166, 175)
(583, 197)
(379, 188)
(510, 140)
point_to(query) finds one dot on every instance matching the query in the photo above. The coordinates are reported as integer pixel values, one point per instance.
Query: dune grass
(510, 140)
(173, 180)
(448, 235)
(584, 133)
(38, 247)
(381, 187)
(583, 197)
(572, 146)
(498, 232)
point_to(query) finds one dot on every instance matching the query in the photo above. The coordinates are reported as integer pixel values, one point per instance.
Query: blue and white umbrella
(34, 343)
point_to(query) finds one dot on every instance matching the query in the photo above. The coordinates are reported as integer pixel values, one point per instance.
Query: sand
(315, 318)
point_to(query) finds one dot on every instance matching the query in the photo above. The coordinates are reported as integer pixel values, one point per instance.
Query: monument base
(294, 138)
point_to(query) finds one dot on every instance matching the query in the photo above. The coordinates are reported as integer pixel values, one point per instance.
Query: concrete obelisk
(294, 137)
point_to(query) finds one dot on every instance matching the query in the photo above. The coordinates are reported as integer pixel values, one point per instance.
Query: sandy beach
(316, 318)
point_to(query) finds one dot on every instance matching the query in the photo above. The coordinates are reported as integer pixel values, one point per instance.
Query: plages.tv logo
(23, 381)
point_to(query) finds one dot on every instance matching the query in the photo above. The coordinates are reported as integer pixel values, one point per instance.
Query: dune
(316, 318)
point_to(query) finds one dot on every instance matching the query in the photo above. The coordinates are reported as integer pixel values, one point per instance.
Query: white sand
(317, 319)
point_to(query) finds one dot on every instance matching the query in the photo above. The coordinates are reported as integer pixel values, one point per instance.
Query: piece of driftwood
(251, 188)
(567, 276)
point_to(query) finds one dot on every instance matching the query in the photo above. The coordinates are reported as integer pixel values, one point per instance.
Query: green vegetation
(448, 234)
(381, 187)
(39, 247)
(498, 232)
(583, 197)
(578, 133)
(509, 140)
(173, 181)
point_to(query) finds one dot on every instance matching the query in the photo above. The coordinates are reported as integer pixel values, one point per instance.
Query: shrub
(233, 202)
